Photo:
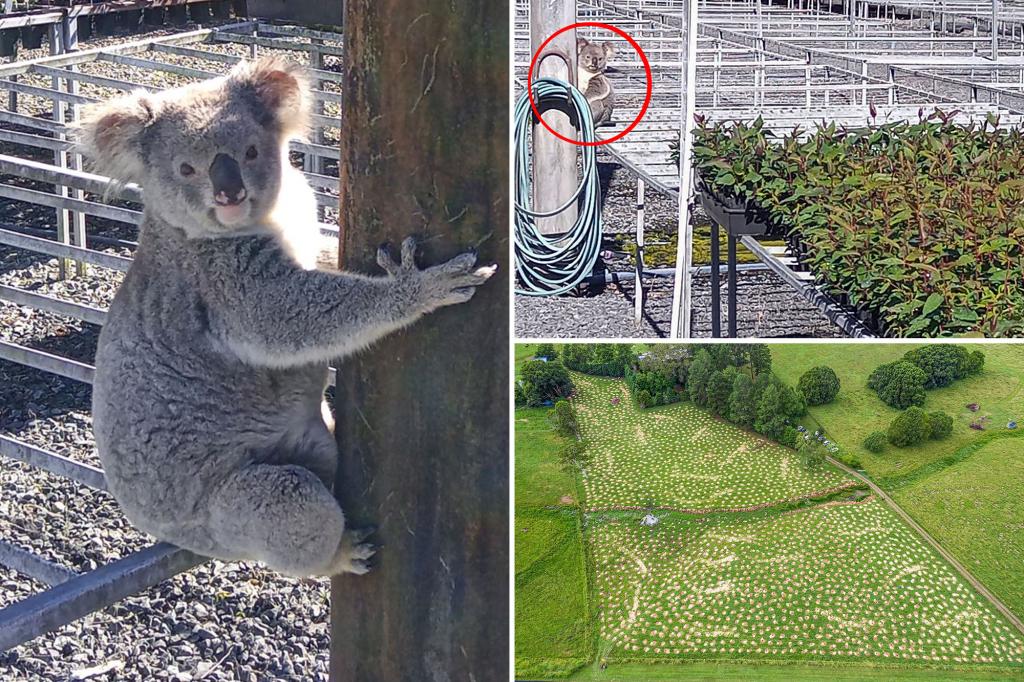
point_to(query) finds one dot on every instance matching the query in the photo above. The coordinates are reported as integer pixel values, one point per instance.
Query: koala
(208, 394)
(592, 81)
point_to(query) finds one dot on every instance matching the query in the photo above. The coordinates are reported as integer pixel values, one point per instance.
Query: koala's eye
(186, 170)
(251, 153)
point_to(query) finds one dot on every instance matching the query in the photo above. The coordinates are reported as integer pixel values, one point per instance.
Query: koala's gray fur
(207, 401)
(591, 78)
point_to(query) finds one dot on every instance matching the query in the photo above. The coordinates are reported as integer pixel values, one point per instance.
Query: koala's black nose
(226, 175)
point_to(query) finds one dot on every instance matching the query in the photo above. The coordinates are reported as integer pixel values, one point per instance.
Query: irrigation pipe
(548, 265)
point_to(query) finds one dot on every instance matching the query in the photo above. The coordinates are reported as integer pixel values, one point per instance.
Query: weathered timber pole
(554, 161)
(423, 415)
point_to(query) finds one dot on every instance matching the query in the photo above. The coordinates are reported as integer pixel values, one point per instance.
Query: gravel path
(216, 622)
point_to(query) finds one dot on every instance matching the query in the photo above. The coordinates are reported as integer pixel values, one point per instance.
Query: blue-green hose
(554, 265)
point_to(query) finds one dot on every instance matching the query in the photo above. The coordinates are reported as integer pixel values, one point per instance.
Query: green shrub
(563, 419)
(790, 437)
(851, 460)
(812, 454)
(598, 359)
(942, 363)
(941, 425)
(546, 350)
(876, 441)
(520, 395)
(657, 388)
(899, 384)
(909, 428)
(975, 362)
(820, 385)
(543, 381)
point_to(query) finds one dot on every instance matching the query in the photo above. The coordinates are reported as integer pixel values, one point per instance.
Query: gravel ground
(767, 305)
(216, 622)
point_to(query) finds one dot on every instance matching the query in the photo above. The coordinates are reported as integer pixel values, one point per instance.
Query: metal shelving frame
(77, 194)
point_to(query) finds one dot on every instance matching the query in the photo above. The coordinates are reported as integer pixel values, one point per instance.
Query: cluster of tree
(914, 425)
(902, 384)
(662, 374)
(600, 359)
(757, 401)
(541, 382)
(546, 351)
(819, 385)
(651, 388)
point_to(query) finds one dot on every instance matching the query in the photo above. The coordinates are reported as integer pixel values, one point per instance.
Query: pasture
(857, 411)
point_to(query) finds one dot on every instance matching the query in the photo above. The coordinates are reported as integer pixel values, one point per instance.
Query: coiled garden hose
(548, 265)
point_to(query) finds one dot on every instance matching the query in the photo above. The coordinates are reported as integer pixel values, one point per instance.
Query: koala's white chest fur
(294, 216)
(583, 79)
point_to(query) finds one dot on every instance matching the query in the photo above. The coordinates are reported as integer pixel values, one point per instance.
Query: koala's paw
(353, 554)
(441, 285)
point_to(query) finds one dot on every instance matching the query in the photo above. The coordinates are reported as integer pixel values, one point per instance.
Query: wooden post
(423, 415)
(554, 161)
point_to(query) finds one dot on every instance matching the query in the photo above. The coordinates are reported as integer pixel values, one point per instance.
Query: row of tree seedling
(917, 226)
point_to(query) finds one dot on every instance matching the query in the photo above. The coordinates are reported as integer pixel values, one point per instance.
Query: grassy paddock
(554, 631)
(857, 411)
(974, 509)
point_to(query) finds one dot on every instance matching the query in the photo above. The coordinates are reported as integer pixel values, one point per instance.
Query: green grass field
(974, 509)
(857, 411)
(678, 456)
(554, 628)
(832, 588)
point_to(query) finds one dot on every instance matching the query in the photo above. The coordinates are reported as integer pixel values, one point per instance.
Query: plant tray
(738, 218)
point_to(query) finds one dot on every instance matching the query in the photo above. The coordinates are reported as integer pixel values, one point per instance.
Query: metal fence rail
(50, 85)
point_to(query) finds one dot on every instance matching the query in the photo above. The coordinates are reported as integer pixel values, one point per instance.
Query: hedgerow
(921, 224)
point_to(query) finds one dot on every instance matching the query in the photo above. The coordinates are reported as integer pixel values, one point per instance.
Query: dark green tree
(576, 356)
(543, 381)
(876, 441)
(720, 390)
(742, 409)
(941, 425)
(942, 363)
(899, 384)
(812, 454)
(698, 379)
(563, 419)
(819, 385)
(771, 419)
(909, 427)
(546, 350)
(760, 358)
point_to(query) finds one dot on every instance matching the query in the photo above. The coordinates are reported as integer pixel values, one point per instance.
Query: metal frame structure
(800, 63)
(55, 85)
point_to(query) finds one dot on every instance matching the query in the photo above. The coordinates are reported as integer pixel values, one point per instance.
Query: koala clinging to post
(591, 78)
(212, 364)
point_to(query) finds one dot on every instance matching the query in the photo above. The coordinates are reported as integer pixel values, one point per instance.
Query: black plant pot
(106, 24)
(154, 16)
(32, 37)
(222, 9)
(177, 14)
(201, 12)
(130, 20)
(84, 27)
(738, 218)
(9, 42)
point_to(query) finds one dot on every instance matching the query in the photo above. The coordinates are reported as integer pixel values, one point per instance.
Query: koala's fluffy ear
(609, 50)
(108, 134)
(279, 88)
(581, 43)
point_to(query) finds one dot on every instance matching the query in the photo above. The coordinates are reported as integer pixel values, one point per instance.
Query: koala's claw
(353, 554)
(409, 253)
